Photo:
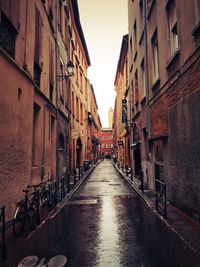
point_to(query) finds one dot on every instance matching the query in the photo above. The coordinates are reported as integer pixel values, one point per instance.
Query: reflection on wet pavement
(106, 224)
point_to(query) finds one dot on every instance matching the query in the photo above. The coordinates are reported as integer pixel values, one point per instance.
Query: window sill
(173, 58)
(196, 30)
(156, 84)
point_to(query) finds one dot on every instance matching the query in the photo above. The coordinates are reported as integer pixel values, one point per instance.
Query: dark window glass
(51, 92)
(7, 36)
(37, 74)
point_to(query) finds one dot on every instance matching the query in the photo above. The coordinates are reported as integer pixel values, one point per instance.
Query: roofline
(124, 46)
(80, 30)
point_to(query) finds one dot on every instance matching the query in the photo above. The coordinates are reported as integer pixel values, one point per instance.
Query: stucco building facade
(41, 105)
(80, 58)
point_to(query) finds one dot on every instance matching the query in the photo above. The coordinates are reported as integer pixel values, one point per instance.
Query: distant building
(121, 114)
(94, 127)
(110, 117)
(106, 142)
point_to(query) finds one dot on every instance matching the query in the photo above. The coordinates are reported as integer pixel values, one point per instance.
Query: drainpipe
(57, 84)
(148, 122)
(43, 147)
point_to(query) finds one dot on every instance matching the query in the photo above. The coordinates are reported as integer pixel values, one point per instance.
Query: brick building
(164, 77)
(122, 111)
(106, 142)
(94, 127)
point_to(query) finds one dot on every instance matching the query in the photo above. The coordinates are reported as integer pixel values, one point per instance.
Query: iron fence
(2, 233)
(161, 198)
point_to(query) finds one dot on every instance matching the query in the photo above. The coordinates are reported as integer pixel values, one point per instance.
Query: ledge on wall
(173, 58)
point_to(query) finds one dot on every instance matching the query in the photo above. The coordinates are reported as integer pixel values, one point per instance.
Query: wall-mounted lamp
(70, 70)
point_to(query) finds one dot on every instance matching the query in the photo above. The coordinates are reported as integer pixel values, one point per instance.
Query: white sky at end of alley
(104, 23)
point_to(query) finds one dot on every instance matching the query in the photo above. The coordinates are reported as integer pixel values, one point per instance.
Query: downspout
(148, 122)
(25, 42)
(57, 84)
(43, 148)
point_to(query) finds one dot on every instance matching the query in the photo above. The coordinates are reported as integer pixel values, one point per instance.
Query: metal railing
(2, 233)
(161, 198)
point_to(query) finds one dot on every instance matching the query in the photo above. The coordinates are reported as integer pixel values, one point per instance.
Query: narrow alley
(104, 224)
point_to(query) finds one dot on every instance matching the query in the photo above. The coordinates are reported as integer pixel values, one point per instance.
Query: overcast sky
(104, 23)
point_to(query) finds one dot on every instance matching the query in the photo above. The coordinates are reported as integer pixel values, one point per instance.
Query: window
(131, 48)
(197, 11)
(51, 8)
(77, 73)
(136, 88)
(60, 15)
(8, 36)
(51, 92)
(51, 71)
(36, 135)
(81, 82)
(158, 146)
(143, 79)
(81, 113)
(37, 52)
(172, 24)
(141, 14)
(135, 36)
(73, 103)
(77, 109)
(9, 25)
(155, 59)
(61, 84)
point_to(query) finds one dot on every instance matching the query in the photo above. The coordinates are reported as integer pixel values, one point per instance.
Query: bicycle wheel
(19, 220)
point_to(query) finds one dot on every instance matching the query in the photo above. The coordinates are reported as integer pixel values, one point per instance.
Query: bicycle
(27, 210)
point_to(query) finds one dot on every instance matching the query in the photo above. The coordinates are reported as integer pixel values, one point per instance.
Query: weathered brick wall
(184, 146)
(187, 83)
(177, 113)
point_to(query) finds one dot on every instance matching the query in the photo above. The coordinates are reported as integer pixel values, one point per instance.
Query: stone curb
(60, 205)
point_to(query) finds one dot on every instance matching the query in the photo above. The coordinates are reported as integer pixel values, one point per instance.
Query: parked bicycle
(27, 210)
(47, 195)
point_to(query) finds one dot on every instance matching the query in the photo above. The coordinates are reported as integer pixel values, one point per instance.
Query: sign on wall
(124, 111)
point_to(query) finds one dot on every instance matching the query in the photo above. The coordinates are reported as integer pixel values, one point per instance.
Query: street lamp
(70, 70)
